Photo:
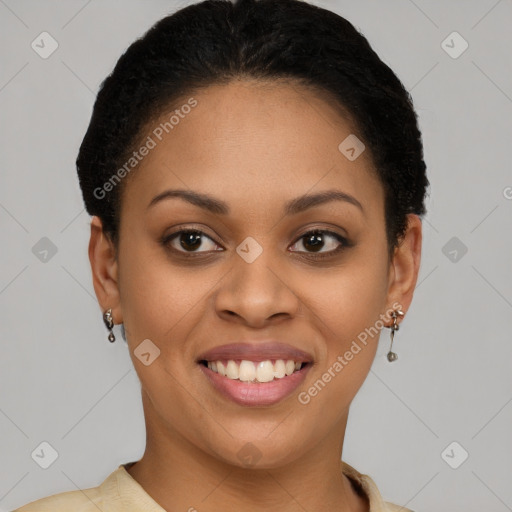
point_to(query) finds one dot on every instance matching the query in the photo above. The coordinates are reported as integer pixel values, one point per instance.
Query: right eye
(187, 241)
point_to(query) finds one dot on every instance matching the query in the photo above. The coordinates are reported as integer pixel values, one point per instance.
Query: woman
(256, 179)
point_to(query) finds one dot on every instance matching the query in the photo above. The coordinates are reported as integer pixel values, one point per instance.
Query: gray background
(62, 382)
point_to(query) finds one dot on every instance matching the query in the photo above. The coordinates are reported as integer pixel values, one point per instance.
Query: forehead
(248, 142)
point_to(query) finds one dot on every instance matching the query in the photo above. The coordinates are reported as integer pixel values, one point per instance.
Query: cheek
(160, 304)
(348, 315)
(163, 303)
(155, 294)
(352, 298)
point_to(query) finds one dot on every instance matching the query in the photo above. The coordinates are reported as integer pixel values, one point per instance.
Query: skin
(255, 146)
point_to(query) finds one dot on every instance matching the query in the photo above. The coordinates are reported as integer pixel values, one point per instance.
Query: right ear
(104, 266)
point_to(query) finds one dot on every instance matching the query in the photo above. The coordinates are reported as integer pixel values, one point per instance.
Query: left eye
(315, 240)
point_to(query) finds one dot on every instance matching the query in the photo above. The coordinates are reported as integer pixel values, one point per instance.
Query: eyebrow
(292, 207)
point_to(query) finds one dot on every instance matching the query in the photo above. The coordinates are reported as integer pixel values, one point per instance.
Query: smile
(254, 371)
(273, 387)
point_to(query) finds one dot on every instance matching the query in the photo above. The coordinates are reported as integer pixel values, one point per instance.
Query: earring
(392, 356)
(109, 324)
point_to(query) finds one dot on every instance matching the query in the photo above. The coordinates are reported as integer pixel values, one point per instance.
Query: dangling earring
(109, 324)
(392, 356)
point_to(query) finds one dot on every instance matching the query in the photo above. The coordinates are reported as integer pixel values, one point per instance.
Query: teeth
(220, 368)
(279, 369)
(249, 371)
(265, 371)
(232, 370)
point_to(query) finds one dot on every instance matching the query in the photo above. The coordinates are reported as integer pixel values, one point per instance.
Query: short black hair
(216, 41)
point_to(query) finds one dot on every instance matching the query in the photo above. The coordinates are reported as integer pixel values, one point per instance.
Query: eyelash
(165, 241)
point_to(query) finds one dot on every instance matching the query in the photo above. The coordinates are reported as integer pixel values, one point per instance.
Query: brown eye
(317, 243)
(317, 240)
(189, 241)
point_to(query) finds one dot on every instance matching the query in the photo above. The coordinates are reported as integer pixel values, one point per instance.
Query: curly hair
(215, 41)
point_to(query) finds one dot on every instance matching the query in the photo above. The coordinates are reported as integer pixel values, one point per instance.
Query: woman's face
(252, 277)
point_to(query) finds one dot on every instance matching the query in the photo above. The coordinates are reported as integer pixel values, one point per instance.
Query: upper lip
(260, 351)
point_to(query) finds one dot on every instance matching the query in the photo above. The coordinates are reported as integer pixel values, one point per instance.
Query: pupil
(315, 240)
(191, 238)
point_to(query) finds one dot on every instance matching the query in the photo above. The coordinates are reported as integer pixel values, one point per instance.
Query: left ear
(405, 265)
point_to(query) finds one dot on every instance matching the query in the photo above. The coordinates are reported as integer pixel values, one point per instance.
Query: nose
(257, 294)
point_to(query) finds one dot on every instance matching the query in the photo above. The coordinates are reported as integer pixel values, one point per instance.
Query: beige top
(120, 492)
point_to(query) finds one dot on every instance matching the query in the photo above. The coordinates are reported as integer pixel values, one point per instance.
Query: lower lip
(256, 393)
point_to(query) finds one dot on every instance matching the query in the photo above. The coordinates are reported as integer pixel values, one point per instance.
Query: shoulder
(81, 500)
(86, 500)
(367, 487)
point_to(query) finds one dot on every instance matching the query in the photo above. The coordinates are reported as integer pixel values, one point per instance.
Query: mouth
(255, 374)
(254, 371)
